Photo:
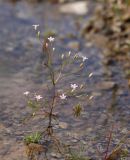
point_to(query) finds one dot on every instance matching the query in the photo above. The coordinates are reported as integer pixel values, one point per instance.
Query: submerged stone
(106, 85)
(77, 8)
(63, 125)
(74, 45)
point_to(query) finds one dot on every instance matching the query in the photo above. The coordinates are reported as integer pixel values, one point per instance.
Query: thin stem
(51, 71)
(52, 107)
(108, 145)
(120, 143)
(52, 75)
(59, 76)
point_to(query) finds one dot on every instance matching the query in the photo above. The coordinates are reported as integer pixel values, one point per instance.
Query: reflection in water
(113, 106)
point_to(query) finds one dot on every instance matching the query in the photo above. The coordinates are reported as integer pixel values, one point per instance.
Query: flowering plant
(59, 69)
(57, 74)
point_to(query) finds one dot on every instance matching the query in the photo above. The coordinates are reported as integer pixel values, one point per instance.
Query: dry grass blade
(117, 151)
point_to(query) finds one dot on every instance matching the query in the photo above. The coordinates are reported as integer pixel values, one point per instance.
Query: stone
(96, 94)
(74, 45)
(63, 125)
(89, 130)
(83, 142)
(74, 140)
(102, 119)
(89, 44)
(126, 17)
(108, 61)
(9, 48)
(98, 39)
(56, 127)
(55, 155)
(77, 8)
(99, 25)
(32, 41)
(120, 92)
(106, 85)
(87, 28)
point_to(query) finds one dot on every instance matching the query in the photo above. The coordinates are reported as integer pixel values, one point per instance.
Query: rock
(126, 17)
(96, 94)
(56, 127)
(83, 142)
(74, 45)
(77, 8)
(102, 119)
(87, 28)
(98, 40)
(2, 127)
(116, 28)
(107, 53)
(74, 140)
(54, 1)
(85, 115)
(99, 25)
(32, 41)
(74, 135)
(89, 130)
(89, 44)
(9, 48)
(127, 73)
(23, 14)
(63, 125)
(106, 85)
(55, 155)
(120, 92)
(109, 61)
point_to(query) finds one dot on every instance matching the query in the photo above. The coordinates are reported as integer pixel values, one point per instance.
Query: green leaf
(77, 110)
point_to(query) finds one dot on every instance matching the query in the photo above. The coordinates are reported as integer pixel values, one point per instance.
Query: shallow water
(20, 70)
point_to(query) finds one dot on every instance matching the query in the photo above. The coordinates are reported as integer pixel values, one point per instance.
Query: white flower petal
(84, 58)
(69, 53)
(38, 97)
(35, 26)
(62, 56)
(63, 96)
(51, 39)
(90, 75)
(26, 93)
(73, 86)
